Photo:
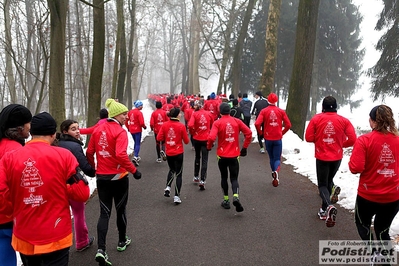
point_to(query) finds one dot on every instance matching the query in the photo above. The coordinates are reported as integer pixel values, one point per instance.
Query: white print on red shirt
(273, 118)
(329, 130)
(386, 158)
(171, 137)
(203, 123)
(160, 120)
(31, 179)
(103, 142)
(229, 133)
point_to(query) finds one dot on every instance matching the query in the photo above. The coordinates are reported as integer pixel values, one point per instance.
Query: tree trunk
(122, 52)
(97, 64)
(298, 98)
(226, 49)
(269, 67)
(236, 72)
(194, 87)
(130, 64)
(58, 11)
(8, 48)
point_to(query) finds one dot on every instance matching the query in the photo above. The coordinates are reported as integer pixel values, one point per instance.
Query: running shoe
(331, 216)
(135, 162)
(322, 214)
(262, 150)
(177, 200)
(167, 192)
(275, 181)
(159, 160)
(237, 204)
(202, 185)
(102, 258)
(196, 179)
(91, 240)
(163, 155)
(334, 194)
(138, 158)
(225, 204)
(123, 244)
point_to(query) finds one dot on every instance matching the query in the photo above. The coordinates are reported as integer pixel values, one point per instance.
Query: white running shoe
(177, 200)
(196, 179)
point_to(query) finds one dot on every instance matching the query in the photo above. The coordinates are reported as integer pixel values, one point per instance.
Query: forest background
(67, 57)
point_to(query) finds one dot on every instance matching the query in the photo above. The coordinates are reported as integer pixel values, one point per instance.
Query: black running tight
(227, 165)
(175, 169)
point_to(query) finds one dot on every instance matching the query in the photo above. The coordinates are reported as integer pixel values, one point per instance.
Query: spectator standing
(109, 143)
(158, 118)
(38, 180)
(259, 105)
(135, 124)
(70, 139)
(246, 106)
(199, 126)
(174, 134)
(330, 133)
(275, 124)
(227, 130)
(14, 130)
(375, 157)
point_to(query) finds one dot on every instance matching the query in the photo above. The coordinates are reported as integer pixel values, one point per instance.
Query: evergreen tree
(385, 74)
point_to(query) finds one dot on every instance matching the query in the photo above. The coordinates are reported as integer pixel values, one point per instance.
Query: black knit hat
(12, 116)
(225, 109)
(259, 93)
(329, 104)
(43, 124)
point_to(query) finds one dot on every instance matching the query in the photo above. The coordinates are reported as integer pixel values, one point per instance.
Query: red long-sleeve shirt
(158, 118)
(330, 133)
(374, 156)
(173, 133)
(200, 124)
(227, 130)
(135, 121)
(273, 119)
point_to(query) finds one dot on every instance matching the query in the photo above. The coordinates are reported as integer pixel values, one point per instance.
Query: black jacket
(75, 146)
(260, 104)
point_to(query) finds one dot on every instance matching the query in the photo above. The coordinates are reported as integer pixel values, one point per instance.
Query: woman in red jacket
(158, 118)
(375, 157)
(174, 133)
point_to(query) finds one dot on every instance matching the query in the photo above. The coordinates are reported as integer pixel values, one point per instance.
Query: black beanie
(259, 93)
(158, 105)
(43, 124)
(329, 104)
(14, 115)
(225, 109)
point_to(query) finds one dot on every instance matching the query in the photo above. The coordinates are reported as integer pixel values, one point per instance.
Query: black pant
(159, 145)
(117, 190)
(384, 215)
(55, 258)
(226, 165)
(326, 171)
(175, 169)
(200, 149)
(247, 120)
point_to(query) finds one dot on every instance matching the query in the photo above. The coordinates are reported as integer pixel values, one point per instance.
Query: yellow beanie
(115, 108)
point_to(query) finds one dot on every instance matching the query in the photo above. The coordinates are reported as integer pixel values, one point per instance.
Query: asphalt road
(279, 225)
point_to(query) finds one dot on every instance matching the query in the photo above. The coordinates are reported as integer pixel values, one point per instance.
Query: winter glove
(79, 175)
(243, 152)
(137, 175)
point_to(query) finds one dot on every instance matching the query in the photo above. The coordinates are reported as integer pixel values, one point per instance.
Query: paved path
(279, 226)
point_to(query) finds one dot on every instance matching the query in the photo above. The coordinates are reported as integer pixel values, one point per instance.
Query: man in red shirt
(330, 133)
(158, 118)
(38, 179)
(227, 130)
